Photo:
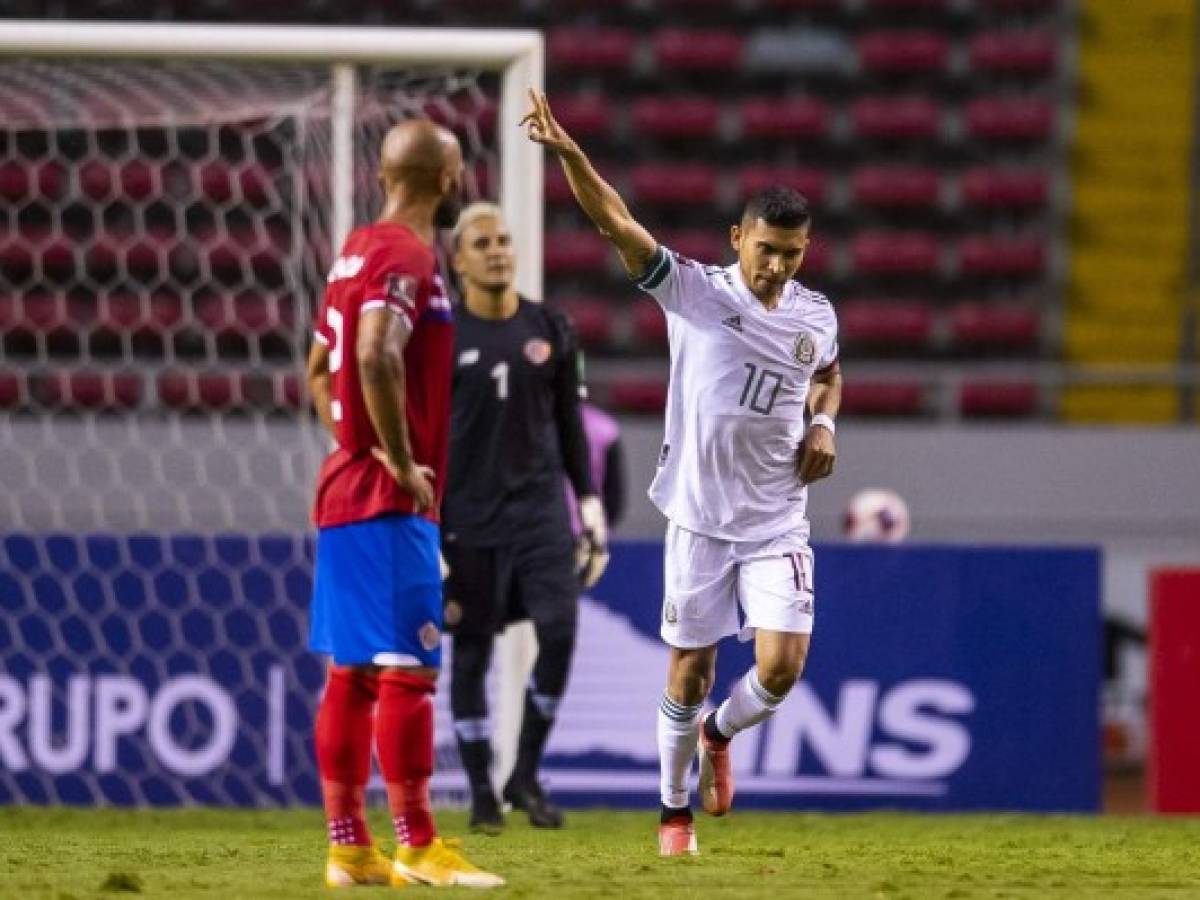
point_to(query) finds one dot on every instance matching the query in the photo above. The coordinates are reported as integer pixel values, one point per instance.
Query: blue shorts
(377, 594)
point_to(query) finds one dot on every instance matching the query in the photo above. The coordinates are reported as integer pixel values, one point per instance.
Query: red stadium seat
(896, 118)
(885, 322)
(591, 317)
(1021, 5)
(191, 390)
(558, 190)
(649, 324)
(896, 253)
(818, 259)
(803, 5)
(584, 115)
(789, 118)
(1018, 399)
(92, 390)
(1007, 118)
(812, 183)
(21, 180)
(1018, 52)
(895, 186)
(638, 396)
(590, 48)
(676, 117)
(715, 51)
(582, 251)
(221, 182)
(977, 324)
(679, 184)
(1003, 188)
(882, 398)
(12, 389)
(892, 52)
(987, 256)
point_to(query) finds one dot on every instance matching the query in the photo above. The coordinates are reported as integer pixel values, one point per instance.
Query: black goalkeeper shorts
(494, 586)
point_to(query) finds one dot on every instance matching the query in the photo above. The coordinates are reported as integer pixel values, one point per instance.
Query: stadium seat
(1034, 6)
(897, 52)
(12, 389)
(1017, 399)
(803, 5)
(221, 182)
(186, 390)
(679, 184)
(584, 115)
(675, 117)
(988, 187)
(906, 5)
(895, 186)
(649, 324)
(765, 118)
(92, 390)
(1014, 52)
(609, 49)
(575, 252)
(882, 398)
(558, 190)
(20, 180)
(643, 395)
(1009, 118)
(591, 317)
(812, 183)
(896, 118)
(888, 322)
(974, 325)
(896, 253)
(818, 259)
(690, 50)
(988, 256)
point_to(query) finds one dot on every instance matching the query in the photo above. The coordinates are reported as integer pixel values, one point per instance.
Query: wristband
(824, 421)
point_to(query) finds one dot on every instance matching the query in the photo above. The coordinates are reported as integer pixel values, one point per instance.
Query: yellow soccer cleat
(351, 866)
(440, 864)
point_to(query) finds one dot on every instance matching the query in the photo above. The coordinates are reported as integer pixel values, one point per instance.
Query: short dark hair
(779, 207)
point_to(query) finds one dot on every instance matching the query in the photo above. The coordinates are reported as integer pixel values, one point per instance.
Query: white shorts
(707, 579)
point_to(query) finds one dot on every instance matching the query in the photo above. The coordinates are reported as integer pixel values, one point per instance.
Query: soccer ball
(877, 514)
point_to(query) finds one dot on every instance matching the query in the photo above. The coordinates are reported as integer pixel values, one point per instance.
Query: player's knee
(778, 676)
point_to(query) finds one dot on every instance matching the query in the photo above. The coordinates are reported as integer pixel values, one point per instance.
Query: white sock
(678, 732)
(748, 704)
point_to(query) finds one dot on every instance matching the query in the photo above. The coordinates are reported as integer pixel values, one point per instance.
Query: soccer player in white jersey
(753, 355)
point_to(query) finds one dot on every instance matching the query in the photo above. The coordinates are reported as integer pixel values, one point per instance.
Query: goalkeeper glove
(591, 550)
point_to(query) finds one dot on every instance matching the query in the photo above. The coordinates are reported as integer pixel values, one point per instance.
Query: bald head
(416, 153)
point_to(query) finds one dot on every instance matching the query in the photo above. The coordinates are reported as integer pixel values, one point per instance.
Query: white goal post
(517, 56)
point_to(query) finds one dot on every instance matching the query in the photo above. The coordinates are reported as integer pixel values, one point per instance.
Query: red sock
(345, 723)
(404, 745)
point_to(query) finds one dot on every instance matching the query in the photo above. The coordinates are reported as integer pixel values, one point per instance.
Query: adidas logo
(734, 322)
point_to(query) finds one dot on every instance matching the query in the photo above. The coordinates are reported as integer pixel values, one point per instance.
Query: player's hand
(816, 455)
(591, 550)
(542, 128)
(415, 479)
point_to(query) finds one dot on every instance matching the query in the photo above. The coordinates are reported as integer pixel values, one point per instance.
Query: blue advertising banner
(165, 670)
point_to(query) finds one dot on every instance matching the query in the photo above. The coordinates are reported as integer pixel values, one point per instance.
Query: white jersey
(735, 419)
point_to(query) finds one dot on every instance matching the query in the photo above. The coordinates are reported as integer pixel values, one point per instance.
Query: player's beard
(446, 214)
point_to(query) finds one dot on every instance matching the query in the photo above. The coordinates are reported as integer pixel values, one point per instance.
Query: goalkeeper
(515, 430)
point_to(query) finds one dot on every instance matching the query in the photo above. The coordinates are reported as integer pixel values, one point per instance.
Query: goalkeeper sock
(678, 731)
(404, 745)
(748, 704)
(345, 722)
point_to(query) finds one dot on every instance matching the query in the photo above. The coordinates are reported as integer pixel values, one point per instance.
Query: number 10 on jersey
(761, 389)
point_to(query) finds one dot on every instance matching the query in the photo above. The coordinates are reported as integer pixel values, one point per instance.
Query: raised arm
(598, 199)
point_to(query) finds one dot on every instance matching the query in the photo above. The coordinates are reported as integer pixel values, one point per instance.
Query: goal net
(165, 231)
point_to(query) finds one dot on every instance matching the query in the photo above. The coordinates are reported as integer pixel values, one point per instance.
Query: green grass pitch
(184, 854)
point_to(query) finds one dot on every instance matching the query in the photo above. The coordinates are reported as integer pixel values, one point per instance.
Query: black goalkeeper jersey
(515, 428)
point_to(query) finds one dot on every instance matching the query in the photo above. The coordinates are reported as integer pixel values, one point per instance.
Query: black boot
(477, 763)
(522, 789)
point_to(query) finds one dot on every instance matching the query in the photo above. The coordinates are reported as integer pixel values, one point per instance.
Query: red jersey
(384, 266)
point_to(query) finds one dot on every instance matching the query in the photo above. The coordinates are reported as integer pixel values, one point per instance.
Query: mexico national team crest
(537, 351)
(805, 350)
(402, 288)
(670, 613)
